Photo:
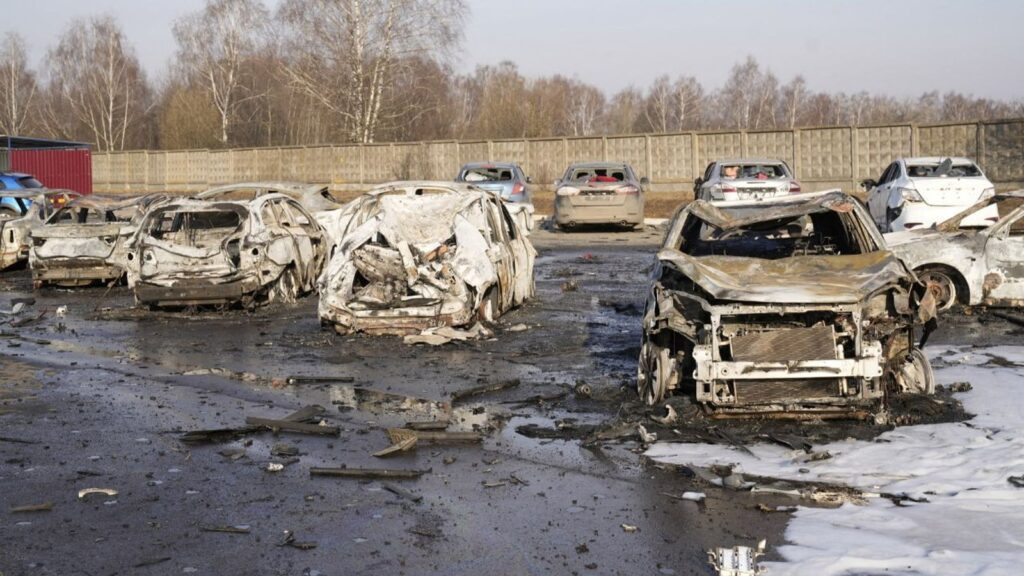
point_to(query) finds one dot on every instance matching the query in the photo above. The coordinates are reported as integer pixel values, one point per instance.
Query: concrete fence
(821, 157)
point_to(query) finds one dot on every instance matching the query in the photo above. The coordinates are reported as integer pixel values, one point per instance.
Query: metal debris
(368, 473)
(737, 561)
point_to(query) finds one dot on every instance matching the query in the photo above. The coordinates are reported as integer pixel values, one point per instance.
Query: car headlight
(988, 193)
(910, 195)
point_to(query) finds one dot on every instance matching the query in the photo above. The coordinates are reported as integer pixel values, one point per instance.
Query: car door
(1004, 260)
(500, 254)
(878, 197)
(309, 239)
(522, 258)
(701, 193)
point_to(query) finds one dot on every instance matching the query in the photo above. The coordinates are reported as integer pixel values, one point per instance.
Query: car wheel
(489, 307)
(942, 285)
(287, 287)
(916, 375)
(654, 373)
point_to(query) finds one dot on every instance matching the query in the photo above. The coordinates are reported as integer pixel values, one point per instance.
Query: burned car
(968, 260)
(420, 255)
(24, 211)
(84, 242)
(790, 305)
(313, 197)
(194, 252)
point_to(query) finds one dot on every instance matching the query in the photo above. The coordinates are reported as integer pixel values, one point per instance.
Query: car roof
(15, 175)
(936, 160)
(750, 161)
(33, 192)
(597, 164)
(295, 187)
(470, 165)
(459, 187)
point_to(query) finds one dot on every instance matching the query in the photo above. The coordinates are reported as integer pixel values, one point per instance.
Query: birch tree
(345, 54)
(96, 83)
(217, 48)
(17, 85)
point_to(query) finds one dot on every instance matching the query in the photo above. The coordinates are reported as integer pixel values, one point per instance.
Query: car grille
(785, 345)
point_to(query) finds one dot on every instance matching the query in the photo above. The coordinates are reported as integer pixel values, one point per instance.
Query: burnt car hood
(795, 280)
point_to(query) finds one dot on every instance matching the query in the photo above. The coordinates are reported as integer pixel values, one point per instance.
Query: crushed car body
(313, 197)
(790, 306)
(25, 210)
(195, 252)
(84, 241)
(968, 260)
(419, 255)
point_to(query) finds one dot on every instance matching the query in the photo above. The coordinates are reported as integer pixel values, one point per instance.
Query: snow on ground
(974, 520)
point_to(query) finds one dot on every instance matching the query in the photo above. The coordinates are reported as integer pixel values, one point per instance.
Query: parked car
(505, 178)
(313, 197)
(419, 255)
(84, 241)
(199, 252)
(788, 304)
(12, 181)
(918, 192)
(26, 209)
(745, 179)
(966, 264)
(600, 193)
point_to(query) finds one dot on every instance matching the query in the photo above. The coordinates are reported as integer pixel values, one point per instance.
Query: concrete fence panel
(949, 140)
(547, 160)
(717, 146)
(825, 154)
(672, 158)
(443, 160)
(474, 152)
(219, 170)
(1003, 150)
(632, 150)
(775, 145)
(584, 150)
(877, 147)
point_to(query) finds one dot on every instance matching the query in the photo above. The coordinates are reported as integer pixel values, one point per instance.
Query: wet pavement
(99, 397)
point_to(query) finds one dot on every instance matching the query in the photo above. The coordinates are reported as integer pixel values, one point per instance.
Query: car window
(931, 170)
(486, 174)
(708, 171)
(888, 174)
(267, 214)
(30, 182)
(510, 227)
(299, 216)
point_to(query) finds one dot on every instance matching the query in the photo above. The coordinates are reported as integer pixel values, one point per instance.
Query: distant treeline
(343, 71)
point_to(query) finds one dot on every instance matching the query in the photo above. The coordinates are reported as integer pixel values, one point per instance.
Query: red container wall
(69, 168)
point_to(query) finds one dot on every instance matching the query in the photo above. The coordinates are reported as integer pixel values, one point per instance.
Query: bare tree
(585, 107)
(793, 101)
(17, 85)
(96, 81)
(346, 53)
(216, 48)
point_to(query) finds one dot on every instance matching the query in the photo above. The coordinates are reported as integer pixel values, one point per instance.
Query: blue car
(15, 207)
(504, 178)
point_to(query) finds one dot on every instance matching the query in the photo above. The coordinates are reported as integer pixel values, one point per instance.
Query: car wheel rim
(653, 372)
(916, 375)
(942, 287)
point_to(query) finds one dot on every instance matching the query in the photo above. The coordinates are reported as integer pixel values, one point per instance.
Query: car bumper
(917, 215)
(74, 269)
(571, 210)
(195, 292)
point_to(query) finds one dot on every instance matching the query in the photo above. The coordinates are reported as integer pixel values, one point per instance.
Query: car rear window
(933, 171)
(30, 182)
(758, 171)
(493, 174)
(600, 174)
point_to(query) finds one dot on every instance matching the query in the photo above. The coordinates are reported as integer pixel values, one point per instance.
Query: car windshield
(486, 174)
(89, 215)
(934, 170)
(820, 233)
(194, 227)
(754, 171)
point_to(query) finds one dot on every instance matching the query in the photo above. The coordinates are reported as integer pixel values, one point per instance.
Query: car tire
(654, 373)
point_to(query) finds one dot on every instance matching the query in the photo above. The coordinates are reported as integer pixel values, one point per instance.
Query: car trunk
(756, 189)
(196, 246)
(594, 195)
(87, 242)
(950, 191)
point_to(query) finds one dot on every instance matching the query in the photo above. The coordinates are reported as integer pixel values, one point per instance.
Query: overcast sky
(897, 47)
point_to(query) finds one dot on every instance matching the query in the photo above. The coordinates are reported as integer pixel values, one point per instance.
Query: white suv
(918, 192)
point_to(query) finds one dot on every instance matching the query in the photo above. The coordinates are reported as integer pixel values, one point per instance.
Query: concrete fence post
(797, 164)
(697, 169)
(854, 153)
(648, 157)
(915, 141)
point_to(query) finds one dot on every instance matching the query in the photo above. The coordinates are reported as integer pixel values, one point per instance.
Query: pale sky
(896, 47)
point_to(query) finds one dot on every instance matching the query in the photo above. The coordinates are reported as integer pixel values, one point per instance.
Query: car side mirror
(645, 182)
(529, 180)
(868, 184)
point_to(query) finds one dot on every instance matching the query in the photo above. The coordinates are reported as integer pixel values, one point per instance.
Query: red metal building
(55, 163)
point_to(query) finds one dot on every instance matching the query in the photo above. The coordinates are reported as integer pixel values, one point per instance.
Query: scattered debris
(369, 473)
(582, 390)
(494, 483)
(61, 311)
(290, 426)
(423, 532)
(570, 286)
(403, 445)
(398, 435)
(518, 328)
(44, 507)
(433, 425)
(152, 562)
(293, 380)
(462, 395)
(737, 561)
(689, 496)
(402, 492)
(668, 419)
(1016, 481)
(307, 414)
(645, 436)
(284, 450)
(236, 529)
(776, 509)
(85, 492)
(958, 387)
(274, 467)
(289, 540)
(629, 528)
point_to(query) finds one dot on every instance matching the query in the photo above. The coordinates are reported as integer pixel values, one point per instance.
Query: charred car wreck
(414, 256)
(791, 306)
(24, 211)
(194, 252)
(84, 242)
